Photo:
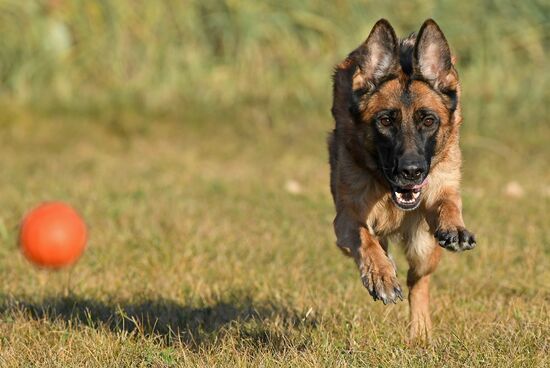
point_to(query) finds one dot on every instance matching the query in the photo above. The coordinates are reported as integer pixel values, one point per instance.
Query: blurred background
(265, 57)
(191, 137)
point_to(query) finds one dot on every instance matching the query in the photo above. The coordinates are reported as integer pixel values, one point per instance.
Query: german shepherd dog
(395, 161)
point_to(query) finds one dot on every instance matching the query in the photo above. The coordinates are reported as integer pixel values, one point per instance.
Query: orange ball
(53, 235)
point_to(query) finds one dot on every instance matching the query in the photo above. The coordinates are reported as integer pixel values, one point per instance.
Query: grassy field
(212, 245)
(95, 57)
(191, 137)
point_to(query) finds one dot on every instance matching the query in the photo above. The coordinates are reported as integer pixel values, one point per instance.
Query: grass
(200, 256)
(191, 136)
(166, 57)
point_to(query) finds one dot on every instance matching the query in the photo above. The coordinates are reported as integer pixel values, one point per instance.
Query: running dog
(395, 161)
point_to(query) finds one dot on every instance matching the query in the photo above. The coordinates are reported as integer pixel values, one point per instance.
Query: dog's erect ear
(432, 59)
(377, 58)
(375, 61)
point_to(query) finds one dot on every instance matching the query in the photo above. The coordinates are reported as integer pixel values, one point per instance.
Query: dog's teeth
(407, 197)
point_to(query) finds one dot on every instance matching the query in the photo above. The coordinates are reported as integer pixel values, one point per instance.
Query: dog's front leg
(447, 221)
(377, 271)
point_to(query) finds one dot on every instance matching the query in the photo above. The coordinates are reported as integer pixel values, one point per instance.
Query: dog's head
(396, 102)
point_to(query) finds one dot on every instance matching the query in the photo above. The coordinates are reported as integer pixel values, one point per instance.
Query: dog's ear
(365, 68)
(432, 60)
(377, 58)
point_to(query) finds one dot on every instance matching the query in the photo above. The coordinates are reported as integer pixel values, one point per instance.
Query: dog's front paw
(380, 279)
(456, 240)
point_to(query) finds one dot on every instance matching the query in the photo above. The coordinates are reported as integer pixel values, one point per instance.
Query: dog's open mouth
(407, 197)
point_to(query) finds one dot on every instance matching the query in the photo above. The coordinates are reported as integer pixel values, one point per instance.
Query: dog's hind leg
(423, 255)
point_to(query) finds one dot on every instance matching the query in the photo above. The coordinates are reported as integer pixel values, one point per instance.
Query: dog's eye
(428, 121)
(385, 121)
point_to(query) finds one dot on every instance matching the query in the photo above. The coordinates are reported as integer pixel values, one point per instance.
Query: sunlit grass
(199, 255)
(172, 56)
(191, 136)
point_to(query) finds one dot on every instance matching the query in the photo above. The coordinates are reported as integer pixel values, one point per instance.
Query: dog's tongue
(418, 186)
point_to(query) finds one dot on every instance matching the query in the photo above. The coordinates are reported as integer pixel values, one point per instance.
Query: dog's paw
(456, 240)
(380, 279)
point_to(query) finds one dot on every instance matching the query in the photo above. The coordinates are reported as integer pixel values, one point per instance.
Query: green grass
(166, 57)
(199, 256)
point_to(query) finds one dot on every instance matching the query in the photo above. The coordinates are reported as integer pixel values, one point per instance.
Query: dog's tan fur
(366, 218)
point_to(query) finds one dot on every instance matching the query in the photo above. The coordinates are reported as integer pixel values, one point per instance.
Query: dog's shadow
(256, 324)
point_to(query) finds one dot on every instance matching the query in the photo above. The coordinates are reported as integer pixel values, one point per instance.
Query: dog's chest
(385, 219)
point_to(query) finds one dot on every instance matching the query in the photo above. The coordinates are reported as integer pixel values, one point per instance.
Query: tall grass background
(269, 57)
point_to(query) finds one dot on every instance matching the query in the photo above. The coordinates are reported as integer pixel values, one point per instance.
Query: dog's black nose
(411, 170)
